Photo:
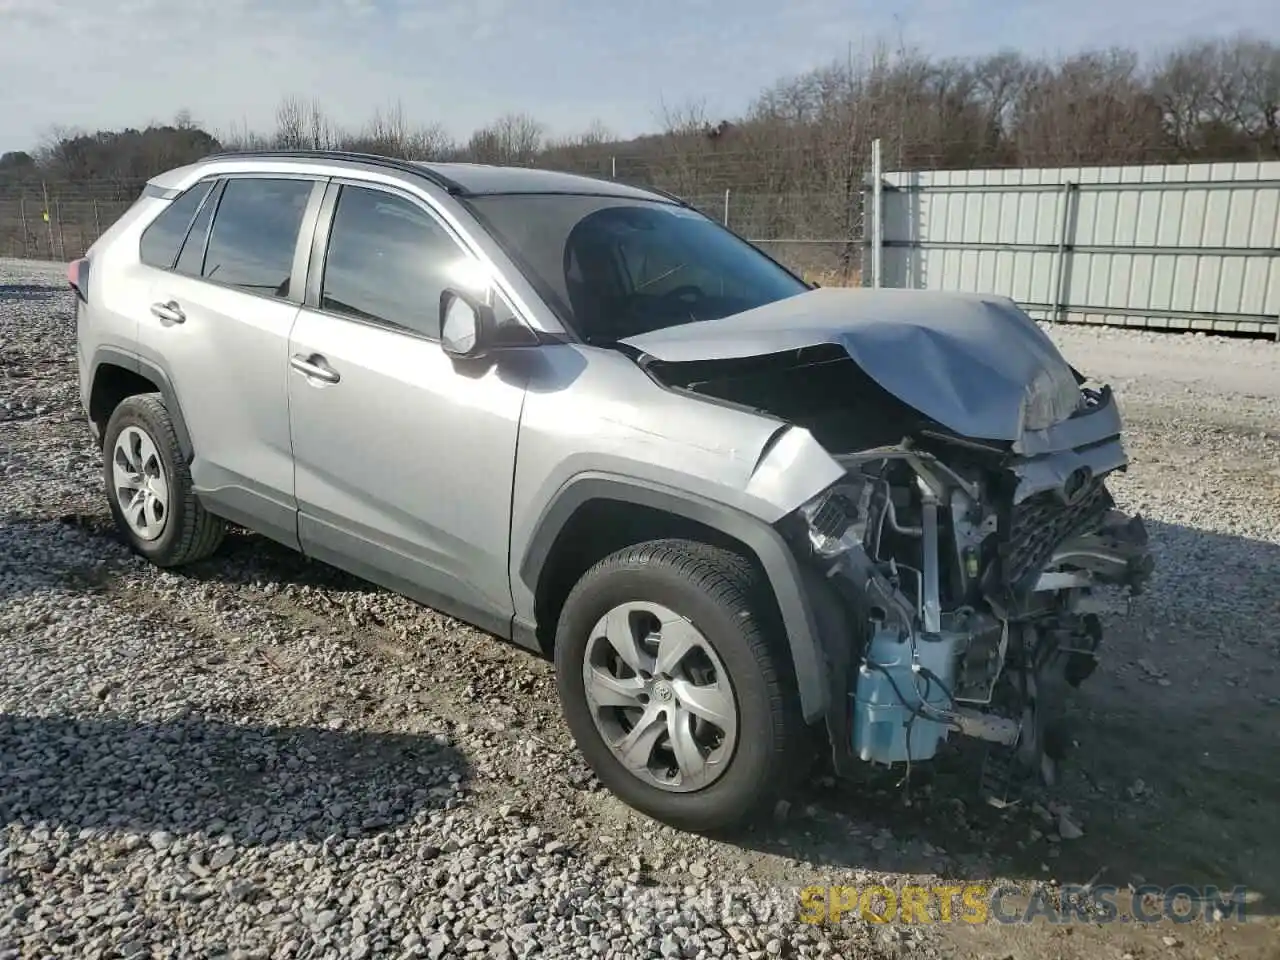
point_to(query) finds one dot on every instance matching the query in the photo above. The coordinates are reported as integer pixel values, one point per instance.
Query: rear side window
(389, 261)
(191, 259)
(254, 234)
(163, 239)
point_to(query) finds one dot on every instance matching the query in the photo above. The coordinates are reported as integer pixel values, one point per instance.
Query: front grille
(1034, 528)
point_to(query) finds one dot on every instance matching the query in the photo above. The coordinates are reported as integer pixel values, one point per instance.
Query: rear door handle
(314, 366)
(169, 312)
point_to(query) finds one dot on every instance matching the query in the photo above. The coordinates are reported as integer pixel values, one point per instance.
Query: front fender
(765, 543)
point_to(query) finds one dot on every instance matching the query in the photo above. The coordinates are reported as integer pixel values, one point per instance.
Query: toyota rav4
(735, 510)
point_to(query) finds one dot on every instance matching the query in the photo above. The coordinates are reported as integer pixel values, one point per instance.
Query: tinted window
(191, 259)
(613, 268)
(161, 240)
(389, 260)
(254, 234)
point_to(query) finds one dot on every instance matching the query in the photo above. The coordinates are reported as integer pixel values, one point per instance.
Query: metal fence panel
(1189, 247)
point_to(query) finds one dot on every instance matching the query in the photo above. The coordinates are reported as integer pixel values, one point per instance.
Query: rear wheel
(674, 684)
(149, 486)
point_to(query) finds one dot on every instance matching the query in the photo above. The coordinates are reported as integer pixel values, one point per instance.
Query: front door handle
(314, 366)
(170, 312)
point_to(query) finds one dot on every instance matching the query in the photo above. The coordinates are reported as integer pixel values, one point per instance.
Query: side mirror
(467, 326)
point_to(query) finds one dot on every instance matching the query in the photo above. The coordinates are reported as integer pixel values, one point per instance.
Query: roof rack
(405, 166)
(681, 201)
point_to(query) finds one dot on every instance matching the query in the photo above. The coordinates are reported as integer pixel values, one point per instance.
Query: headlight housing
(1050, 399)
(837, 517)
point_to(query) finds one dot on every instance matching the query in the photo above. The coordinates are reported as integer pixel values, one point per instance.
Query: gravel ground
(261, 756)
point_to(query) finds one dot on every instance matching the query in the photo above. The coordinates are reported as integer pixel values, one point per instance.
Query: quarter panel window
(191, 259)
(255, 232)
(389, 261)
(162, 240)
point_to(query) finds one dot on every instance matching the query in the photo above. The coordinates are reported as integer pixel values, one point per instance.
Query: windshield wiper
(658, 279)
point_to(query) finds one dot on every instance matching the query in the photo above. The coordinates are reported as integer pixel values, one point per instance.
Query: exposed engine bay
(976, 614)
(969, 568)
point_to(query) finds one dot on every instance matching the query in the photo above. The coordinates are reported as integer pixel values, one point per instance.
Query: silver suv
(747, 518)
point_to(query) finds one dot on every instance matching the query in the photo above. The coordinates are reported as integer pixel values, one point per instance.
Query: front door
(403, 459)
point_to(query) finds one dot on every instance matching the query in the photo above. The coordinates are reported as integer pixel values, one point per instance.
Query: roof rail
(405, 166)
(663, 193)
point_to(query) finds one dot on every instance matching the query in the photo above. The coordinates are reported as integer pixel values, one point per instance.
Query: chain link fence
(819, 235)
(48, 220)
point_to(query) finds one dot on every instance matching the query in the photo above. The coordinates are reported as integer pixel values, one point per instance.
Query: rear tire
(148, 484)
(710, 601)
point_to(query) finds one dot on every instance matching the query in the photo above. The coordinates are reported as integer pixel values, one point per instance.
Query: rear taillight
(78, 277)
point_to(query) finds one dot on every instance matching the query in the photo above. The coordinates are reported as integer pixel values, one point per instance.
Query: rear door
(404, 459)
(219, 320)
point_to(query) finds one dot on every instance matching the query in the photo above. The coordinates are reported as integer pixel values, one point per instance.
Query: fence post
(97, 224)
(48, 221)
(22, 216)
(62, 237)
(613, 166)
(1060, 268)
(726, 206)
(877, 214)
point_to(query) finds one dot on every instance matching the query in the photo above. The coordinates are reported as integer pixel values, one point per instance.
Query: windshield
(614, 268)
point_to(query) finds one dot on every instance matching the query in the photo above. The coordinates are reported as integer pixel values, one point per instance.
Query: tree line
(796, 159)
(1210, 100)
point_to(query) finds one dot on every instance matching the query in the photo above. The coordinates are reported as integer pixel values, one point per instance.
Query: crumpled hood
(976, 364)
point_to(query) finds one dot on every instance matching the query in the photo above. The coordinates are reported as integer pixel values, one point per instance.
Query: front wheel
(675, 686)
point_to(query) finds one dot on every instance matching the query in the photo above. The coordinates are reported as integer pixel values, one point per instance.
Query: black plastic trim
(775, 557)
(656, 196)
(156, 375)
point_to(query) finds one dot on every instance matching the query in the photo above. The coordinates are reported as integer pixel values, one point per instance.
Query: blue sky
(93, 64)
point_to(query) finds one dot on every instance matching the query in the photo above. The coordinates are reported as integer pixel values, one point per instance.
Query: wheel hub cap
(139, 483)
(660, 697)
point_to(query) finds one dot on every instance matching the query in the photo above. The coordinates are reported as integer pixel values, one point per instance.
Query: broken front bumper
(1067, 456)
(1118, 554)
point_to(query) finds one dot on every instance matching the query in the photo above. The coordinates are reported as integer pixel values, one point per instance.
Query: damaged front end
(973, 613)
(971, 541)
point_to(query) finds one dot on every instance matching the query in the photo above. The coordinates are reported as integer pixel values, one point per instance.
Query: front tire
(675, 685)
(148, 485)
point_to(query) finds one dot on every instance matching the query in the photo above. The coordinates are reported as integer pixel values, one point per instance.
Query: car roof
(478, 179)
(461, 179)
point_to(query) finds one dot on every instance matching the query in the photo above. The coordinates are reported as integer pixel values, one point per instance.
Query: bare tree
(794, 164)
(291, 124)
(515, 138)
(1183, 85)
(1090, 109)
(319, 129)
(1248, 97)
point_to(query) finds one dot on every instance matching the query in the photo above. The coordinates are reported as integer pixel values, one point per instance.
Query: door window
(389, 261)
(255, 232)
